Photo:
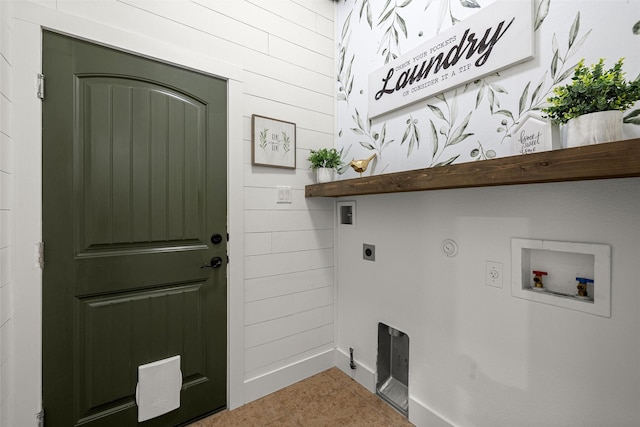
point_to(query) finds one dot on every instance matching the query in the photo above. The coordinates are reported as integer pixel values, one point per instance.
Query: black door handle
(216, 262)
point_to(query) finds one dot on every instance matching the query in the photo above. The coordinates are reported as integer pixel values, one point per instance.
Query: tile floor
(329, 398)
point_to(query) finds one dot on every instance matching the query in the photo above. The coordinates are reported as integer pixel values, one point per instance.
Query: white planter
(594, 128)
(324, 175)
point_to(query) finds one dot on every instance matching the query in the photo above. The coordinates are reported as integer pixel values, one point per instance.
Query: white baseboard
(258, 387)
(255, 388)
(419, 414)
(363, 375)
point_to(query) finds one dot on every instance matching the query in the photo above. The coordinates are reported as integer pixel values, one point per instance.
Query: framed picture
(535, 134)
(273, 142)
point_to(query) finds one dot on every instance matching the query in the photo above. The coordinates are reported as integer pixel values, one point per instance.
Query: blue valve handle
(584, 280)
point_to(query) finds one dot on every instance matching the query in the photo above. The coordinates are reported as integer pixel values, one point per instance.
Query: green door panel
(142, 177)
(134, 185)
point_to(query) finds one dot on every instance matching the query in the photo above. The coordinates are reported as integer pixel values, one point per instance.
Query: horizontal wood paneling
(288, 246)
(6, 153)
(209, 20)
(5, 303)
(321, 7)
(287, 347)
(5, 265)
(324, 26)
(257, 243)
(6, 338)
(283, 284)
(288, 241)
(197, 35)
(6, 190)
(263, 18)
(290, 11)
(6, 34)
(293, 53)
(289, 262)
(301, 74)
(5, 115)
(6, 236)
(300, 114)
(264, 332)
(281, 91)
(258, 221)
(293, 241)
(287, 305)
(266, 177)
(5, 77)
(312, 140)
(6, 225)
(7, 379)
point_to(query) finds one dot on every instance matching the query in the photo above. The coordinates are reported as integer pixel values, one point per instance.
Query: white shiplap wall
(6, 205)
(285, 49)
(288, 280)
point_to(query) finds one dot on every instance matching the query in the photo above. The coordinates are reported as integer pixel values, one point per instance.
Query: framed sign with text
(492, 39)
(273, 142)
(535, 134)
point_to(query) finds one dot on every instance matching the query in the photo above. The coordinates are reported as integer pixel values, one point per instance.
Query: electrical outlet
(493, 275)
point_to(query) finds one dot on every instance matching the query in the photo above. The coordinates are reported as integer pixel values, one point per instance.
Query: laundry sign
(492, 39)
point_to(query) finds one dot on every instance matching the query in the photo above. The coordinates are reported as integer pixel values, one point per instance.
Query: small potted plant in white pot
(324, 161)
(591, 105)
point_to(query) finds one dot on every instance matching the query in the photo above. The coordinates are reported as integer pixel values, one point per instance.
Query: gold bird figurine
(361, 165)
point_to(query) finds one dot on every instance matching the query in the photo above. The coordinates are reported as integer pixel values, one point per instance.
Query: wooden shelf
(620, 159)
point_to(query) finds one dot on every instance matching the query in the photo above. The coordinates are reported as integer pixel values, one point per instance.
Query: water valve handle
(537, 279)
(582, 286)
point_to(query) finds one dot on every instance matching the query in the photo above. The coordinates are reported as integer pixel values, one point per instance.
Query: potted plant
(592, 104)
(324, 161)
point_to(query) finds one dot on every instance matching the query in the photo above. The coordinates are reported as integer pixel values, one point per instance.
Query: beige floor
(330, 398)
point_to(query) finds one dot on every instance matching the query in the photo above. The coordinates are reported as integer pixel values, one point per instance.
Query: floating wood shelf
(620, 159)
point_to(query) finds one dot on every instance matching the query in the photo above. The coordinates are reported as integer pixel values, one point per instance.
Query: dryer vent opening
(393, 367)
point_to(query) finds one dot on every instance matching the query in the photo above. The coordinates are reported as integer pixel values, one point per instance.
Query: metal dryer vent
(393, 368)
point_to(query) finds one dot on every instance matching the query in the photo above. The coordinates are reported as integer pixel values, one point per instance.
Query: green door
(134, 207)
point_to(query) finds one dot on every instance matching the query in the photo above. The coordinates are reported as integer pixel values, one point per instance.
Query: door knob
(215, 262)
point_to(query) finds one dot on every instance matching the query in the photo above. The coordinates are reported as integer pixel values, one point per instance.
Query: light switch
(284, 194)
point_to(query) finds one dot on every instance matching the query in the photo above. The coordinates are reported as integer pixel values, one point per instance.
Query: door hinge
(40, 86)
(40, 418)
(40, 254)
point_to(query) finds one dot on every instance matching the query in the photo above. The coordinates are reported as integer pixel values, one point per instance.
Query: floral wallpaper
(473, 121)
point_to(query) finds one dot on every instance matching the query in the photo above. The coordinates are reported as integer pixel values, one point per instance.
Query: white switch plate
(493, 273)
(284, 194)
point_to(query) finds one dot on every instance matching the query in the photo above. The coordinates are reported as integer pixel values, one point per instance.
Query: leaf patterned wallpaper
(474, 121)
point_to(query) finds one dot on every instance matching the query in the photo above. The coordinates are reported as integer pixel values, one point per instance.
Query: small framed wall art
(535, 134)
(273, 142)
